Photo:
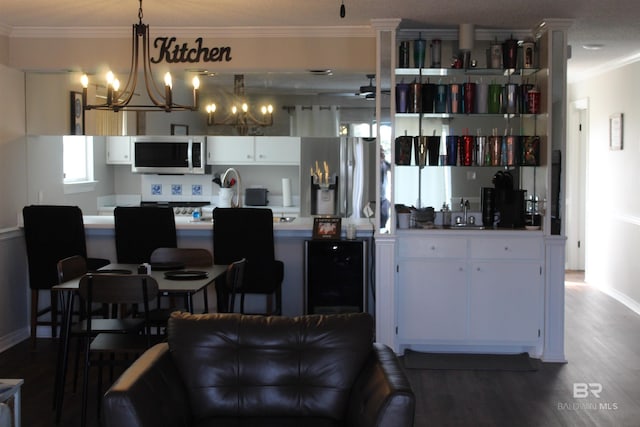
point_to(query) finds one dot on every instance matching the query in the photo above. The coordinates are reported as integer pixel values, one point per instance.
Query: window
(77, 161)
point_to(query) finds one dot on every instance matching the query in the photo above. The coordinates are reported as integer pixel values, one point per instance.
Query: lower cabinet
(470, 290)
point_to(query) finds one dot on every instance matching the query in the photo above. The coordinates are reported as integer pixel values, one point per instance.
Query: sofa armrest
(150, 393)
(382, 395)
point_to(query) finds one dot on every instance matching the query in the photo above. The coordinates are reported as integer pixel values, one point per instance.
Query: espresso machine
(503, 206)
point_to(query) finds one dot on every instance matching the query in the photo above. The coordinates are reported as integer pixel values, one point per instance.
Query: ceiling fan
(369, 91)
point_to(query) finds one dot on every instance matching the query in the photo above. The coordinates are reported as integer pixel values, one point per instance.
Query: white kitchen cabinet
(278, 150)
(247, 150)
(432, 300)
(472, 289)
(230, 150)
(118, 150)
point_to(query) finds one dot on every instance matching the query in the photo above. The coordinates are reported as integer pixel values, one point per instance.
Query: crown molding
(603, 68)
(211, 32)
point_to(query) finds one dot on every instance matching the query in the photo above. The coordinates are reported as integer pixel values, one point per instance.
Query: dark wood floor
(602, 346)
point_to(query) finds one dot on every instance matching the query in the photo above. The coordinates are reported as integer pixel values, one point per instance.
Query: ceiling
(613, 24)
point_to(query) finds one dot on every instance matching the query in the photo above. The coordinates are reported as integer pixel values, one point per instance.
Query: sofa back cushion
(243, 365)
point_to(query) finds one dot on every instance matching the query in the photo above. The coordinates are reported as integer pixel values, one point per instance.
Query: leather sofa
(246, 370)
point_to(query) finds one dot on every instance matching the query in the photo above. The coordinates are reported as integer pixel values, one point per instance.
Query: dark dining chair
(175, 258)
(75, 267)
(234, 280)
(121, 348)
(248, 233)
(52, 232)
(142, 229)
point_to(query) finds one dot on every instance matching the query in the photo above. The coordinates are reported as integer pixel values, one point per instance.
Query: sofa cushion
(237, 365)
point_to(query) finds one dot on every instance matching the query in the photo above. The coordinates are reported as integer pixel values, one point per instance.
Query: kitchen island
(289, 247)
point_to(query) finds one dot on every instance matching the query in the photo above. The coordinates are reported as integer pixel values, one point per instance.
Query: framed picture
(77, 114)
(179, 130)
(615, 131)
(326, 228)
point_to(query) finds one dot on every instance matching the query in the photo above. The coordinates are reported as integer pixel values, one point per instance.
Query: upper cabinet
(118, 150)
(250, 150)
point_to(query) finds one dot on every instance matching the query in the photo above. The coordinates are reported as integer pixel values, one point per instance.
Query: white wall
(612, 201)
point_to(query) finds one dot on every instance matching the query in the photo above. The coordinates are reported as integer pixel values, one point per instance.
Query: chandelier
(239, 115)
(119, 99)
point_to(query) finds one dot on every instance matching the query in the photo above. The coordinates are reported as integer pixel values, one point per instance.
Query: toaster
(256, 197)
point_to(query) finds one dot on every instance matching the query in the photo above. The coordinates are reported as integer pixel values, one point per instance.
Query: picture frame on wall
(615, 131)
(179, 129)
(327, 228)
(76, 114)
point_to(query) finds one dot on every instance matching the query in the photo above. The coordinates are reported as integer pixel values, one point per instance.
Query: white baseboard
(8, 341)
(632, 304)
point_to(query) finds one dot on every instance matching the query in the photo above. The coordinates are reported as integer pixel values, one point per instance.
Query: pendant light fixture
(119, 99)
(239, 115)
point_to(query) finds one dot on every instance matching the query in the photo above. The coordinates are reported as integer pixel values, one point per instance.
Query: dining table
(183, 280)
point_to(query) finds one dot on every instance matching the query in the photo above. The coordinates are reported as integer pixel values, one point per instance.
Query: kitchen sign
(172, 52)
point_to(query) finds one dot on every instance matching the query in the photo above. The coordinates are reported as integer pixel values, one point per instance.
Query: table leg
(17, 408)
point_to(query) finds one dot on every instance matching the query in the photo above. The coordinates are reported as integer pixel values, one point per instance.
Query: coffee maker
(503, 206)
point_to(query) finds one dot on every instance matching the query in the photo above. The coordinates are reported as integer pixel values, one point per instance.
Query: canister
(455, 98)
(415, 98)
(403, 150)
(436, 53)
(523, 100)
(403, 57)
(441, 98)
(480, 144)
(495, 142)
(534, 101)
(530, 148)
(495, 98)
(420, 150)
(510, 54)
(469, 98)
(452, 149)
(428, 97)
(433, 149)
(419, 52)
(482, 95)
(510, 98)
(495, 56)
(466, 150)
(528, 54)
(511, 143)
(402, 97)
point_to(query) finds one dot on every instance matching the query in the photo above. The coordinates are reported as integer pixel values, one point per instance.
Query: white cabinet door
(505, 301)
(279, 150)
(432, 300)
(230, 150)
(118, 150)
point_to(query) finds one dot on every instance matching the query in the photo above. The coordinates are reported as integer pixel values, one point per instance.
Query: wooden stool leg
(34, 315)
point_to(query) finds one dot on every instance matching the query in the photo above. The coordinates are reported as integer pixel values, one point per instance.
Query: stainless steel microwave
(168, 154)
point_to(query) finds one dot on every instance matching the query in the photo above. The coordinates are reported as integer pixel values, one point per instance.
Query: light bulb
(196, 82)
(84, 81)
(270, 109)
(116, 84)
(234, 109)
(167, 79)
(245, 107)
(110, 78)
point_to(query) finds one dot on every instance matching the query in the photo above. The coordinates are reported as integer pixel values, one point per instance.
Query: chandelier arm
(132, 80)
(152, 89)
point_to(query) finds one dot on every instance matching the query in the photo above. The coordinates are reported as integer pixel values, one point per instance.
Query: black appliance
(168, 155)
(335, 276)
(505, 201)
